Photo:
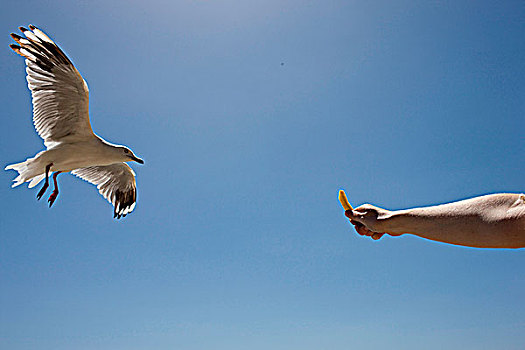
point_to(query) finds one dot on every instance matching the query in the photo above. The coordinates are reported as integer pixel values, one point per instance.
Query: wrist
(394, 222)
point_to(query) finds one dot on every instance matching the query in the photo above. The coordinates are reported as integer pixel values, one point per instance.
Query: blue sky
(251, 116)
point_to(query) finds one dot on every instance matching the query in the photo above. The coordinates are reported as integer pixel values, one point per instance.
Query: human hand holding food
(367, 219)
(489, 221)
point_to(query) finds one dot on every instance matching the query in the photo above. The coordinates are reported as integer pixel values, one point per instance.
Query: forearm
(492, 221)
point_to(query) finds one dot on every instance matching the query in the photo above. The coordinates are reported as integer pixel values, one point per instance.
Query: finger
(377, 236)
(353, 214)
(363, 231)
(359, 228)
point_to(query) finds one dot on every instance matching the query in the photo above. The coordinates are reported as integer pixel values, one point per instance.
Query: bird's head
(128, 155)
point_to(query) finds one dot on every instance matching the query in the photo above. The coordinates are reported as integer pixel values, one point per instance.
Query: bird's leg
(54, 194)
(46, 184)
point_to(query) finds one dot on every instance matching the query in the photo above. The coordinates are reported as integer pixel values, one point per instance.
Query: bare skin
(491, 221)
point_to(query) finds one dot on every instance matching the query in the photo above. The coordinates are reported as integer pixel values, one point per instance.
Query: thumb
(353, 214)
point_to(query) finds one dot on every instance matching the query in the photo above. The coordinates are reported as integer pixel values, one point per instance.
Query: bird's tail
(27, 171)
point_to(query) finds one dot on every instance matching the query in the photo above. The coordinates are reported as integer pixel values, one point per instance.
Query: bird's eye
(126, 151)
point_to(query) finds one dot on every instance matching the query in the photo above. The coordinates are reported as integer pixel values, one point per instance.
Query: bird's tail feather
(36, 180)
(27, 171)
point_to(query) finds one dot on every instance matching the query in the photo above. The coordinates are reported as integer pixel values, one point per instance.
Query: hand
(369, 220)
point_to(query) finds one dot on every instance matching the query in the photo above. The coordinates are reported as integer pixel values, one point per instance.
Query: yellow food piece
(344, 200)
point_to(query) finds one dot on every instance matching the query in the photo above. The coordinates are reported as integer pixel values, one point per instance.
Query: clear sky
(251, 115)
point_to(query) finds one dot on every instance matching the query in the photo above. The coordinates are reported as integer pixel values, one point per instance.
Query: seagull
(61, 117)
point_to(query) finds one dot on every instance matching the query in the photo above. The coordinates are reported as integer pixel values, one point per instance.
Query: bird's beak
(138, 160)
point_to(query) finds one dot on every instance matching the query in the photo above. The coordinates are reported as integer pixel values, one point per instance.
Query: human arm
(491, 221)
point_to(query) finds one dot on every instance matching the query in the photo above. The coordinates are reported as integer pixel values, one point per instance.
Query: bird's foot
(52, 198)
(42, 191)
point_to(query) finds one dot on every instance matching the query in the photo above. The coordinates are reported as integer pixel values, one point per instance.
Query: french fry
(344, 200)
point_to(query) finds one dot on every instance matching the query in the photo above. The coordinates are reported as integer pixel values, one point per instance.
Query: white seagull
(61, 117)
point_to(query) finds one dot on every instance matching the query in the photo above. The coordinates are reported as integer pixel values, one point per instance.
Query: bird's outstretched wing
(116, 182)
(60, 94)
